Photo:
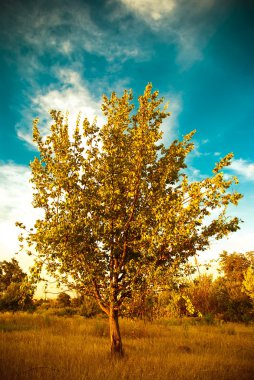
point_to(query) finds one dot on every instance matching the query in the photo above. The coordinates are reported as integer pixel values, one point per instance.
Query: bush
(89, 307)
(64, 300)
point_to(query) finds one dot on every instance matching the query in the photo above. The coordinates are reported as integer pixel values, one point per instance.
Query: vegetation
(41, 347)
(185, 332)
(118, 208)
(64, 299)
(235, 268)
(16, 293)
(227, 297)
(224, 297)
(248, 283)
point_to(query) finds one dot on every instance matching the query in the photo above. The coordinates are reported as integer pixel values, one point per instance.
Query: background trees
(248, 282)
(225, 296)
(63, 300)
(234, 267)
(117, 204)
(182, 293)
(15, 291)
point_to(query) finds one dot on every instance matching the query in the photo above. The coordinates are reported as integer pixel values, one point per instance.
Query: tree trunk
(115, 336)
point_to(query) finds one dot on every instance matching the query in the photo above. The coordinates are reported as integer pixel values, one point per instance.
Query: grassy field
(47, 347)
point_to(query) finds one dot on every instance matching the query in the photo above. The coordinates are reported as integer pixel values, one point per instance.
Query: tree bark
(115, 336)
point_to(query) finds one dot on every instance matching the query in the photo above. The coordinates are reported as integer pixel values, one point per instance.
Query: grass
(46, 347)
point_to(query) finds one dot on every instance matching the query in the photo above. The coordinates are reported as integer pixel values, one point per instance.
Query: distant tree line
(228, 297)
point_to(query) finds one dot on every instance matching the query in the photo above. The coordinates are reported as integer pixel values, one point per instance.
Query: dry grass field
(48, 347)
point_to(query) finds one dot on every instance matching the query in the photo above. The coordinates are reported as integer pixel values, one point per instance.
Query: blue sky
(65, 54)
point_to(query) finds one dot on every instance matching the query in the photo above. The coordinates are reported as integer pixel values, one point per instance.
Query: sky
(64, 55)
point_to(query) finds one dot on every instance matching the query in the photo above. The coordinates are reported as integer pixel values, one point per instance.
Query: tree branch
(99, 298)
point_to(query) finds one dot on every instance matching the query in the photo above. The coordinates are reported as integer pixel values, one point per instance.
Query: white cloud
(187, 24)
(14, 190)
(65, 29)
(69, 95)
(72, 95)
(150, 9)
(16, 198)
(243, 168)
(189, 45)
(240, 241)
(16, 205)
(71, 30)
(66, 47)
(170, 125)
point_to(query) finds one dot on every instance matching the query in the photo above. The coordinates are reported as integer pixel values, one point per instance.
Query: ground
(47, 347)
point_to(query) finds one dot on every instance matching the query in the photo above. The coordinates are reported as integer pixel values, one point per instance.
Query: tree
(248, 282)
(117, 204)
(89, 307)
(64, 299)
(10, 272)
(15, 291)
(200, 291)
(234, 267)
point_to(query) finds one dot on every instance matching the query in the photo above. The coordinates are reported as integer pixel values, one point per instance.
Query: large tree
(117, 204)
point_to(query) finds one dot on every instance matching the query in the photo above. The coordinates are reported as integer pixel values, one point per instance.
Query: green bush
(89, 308)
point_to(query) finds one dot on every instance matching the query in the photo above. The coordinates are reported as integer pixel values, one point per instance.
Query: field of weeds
(48, 347)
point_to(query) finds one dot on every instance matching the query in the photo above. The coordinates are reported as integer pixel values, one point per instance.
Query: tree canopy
(117, 202)
(10, 271)
(15, 291)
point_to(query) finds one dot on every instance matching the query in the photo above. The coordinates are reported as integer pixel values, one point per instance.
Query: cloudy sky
(65, 54)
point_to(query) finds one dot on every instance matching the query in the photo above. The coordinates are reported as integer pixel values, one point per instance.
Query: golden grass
(45, 347)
